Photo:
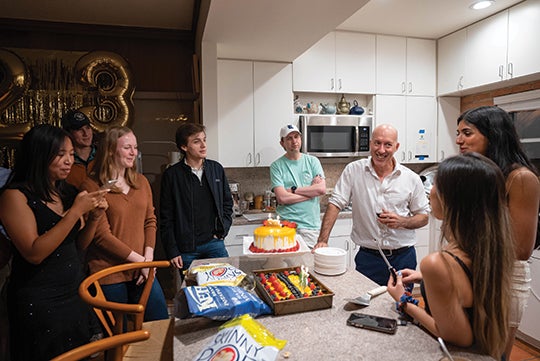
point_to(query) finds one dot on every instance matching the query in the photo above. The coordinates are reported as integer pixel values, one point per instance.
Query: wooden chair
(158, 347)
(108, 343)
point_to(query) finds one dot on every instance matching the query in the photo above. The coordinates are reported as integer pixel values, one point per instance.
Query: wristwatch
(293, 189)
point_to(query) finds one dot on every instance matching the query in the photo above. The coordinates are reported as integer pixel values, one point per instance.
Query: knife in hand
(391, 269)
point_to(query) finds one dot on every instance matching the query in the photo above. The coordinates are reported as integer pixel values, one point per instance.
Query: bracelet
(403, 300)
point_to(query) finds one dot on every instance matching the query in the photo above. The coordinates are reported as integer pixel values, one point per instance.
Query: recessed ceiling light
(482, 4)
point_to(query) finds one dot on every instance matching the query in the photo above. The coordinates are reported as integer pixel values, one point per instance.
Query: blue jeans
(129, 292)
(212, 249)
(374, 267)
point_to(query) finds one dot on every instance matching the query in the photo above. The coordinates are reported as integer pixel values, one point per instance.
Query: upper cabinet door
(391, 65)
(452, 57)
(486, 50)
(315, 69)
(235, 113)
(355, 63)
(421, 66)
(273, 109)
(448, 111)
(523, 30)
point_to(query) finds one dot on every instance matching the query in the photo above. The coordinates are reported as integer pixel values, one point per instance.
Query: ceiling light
(482, 4)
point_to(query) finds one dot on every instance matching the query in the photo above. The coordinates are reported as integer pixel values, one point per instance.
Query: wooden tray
(296, 305)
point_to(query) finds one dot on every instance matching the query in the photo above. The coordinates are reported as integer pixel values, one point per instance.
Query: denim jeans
(212, 249)
(129, 292)
(374, 267)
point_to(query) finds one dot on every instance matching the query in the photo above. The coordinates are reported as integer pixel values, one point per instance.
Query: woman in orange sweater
(128, 233)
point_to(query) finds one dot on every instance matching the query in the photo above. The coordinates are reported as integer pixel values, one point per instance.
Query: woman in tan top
(490, 131)
(128, 233)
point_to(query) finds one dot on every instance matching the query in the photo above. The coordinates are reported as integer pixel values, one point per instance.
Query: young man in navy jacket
(195, 202)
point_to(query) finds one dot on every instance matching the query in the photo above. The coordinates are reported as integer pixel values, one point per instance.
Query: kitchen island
(323, 334)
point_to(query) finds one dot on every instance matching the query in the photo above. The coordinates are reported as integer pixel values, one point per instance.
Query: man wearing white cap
(298, 181)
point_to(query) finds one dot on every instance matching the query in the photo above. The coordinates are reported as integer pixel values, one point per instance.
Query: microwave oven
(336, 135)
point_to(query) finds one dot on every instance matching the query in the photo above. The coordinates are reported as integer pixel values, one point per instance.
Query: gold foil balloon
(109, 76)
(14, 81)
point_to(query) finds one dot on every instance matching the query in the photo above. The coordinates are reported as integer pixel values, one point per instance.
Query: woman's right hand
(85, 202)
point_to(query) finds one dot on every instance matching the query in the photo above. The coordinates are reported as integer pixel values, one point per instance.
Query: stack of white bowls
(330, 261)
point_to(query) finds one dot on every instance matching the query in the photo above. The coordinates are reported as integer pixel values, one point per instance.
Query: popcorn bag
(242, 338)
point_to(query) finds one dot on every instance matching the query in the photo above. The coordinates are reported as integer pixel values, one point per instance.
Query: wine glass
(380, 207)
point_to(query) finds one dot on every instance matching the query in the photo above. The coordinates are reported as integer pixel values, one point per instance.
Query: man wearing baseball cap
(77, 124)
(298, 181)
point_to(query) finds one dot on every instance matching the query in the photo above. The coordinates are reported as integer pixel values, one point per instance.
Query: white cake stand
(275, 260)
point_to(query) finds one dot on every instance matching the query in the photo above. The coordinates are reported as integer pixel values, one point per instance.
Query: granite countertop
(323, 334)
(261, 215)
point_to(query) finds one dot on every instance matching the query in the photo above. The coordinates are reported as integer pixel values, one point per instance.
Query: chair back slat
(111, 314)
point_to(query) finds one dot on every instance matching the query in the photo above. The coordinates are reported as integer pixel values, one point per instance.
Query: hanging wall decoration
(39, 86)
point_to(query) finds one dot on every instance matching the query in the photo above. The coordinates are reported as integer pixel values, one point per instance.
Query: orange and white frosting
(274, 237)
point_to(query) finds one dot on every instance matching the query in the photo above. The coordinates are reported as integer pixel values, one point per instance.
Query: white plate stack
(330, 261)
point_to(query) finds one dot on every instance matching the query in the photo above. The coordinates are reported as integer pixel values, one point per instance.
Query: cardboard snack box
(300, 304)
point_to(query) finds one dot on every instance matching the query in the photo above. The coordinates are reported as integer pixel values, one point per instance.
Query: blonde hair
(104, 168)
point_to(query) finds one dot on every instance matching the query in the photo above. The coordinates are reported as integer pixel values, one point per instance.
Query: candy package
(217, 274)
(219, 302)
(242, 338)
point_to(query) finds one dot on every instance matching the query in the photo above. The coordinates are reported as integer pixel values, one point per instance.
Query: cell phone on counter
(371, 322)
(109, 184)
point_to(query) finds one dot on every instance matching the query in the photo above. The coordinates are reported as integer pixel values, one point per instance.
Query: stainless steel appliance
(524, 108)
(336, 135)
(235, 192)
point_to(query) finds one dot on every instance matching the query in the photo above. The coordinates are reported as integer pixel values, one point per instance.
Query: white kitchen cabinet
(341, 62)
(486, 50)
(415, 119)
(497, 48)
(234, 242)
(448, 110)
(523, 29)
(451, 62)
(405, 66)
(254, 101)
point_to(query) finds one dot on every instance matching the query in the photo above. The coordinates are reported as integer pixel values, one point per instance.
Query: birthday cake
(275, 237)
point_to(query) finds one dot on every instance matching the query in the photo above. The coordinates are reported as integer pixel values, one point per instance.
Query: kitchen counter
(323, 334)
(241, 220)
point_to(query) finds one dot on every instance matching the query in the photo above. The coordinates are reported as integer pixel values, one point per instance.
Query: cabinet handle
(332, 84)
(442, 154)
(410, 155)
(410, 87)
(250, 159)
(242, 235)
(501, 71)
(511, 69)
(340, 84)
(258, 159)
(460, 83)
(403, 156)
(403, 89)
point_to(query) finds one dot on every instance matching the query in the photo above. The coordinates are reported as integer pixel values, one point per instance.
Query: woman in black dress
(48, 222)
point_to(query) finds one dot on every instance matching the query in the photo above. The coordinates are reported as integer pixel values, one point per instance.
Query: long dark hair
(475, 216)
(504, 146)
(38, 148)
